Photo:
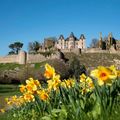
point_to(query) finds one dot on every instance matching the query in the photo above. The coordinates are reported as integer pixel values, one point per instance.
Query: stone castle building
(109, 42)
(71, 42)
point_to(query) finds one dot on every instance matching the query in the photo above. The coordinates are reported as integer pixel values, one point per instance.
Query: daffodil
(54, 83)
(90, 83)
(2, 110)
(118, 73)
(86, 84)
(32, 85)
(104, 75)
(49, 71)
(70, 83)
(28, 97)
(43, 95)
(83, 78)
(63, 84)
(113, 69)
(22, 88)
(16, 101)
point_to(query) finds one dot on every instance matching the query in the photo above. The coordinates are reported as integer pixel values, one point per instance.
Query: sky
(33, 20)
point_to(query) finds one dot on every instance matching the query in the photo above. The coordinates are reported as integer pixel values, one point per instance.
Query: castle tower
(61, 42)
(100, 40)
(22, 56)
(71, 42)
(82, 42)
(110, 39)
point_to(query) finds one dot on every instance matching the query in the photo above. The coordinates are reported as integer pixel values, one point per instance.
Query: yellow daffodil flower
(86, 84)
(2, 110)
(54, 83)
(49, 71)
(70, 83)
(29, 97)
(118, 73)
(32, 85)
(104, 75)
(43, 95)
(63, 84)
(22, 88)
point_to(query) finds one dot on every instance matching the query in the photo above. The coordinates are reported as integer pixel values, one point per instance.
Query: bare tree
(94, 43)
(33, 47)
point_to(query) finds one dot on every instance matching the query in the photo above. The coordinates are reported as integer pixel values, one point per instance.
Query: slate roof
(61, 37)
(72, 35)
(82, 36)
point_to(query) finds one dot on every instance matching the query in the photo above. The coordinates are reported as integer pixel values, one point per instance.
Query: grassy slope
(95, 59)
(9, 66)
(87, 59)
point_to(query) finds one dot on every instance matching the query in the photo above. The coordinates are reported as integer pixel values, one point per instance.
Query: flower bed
(92, 97)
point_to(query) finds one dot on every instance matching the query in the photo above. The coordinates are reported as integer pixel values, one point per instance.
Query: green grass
(95, 59)
(4, 117)
(9, 66)
(7, 91)
(37, 65)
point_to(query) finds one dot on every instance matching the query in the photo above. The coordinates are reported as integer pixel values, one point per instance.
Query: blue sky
(30, 20)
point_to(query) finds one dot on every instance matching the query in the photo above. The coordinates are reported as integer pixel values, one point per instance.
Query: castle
(71, 42)
(105, 44)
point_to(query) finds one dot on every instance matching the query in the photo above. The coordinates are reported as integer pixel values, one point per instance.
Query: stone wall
(20, 58)
(75, 50)
(31, 58)
(9, 59)
(23, 57)
(96, 50)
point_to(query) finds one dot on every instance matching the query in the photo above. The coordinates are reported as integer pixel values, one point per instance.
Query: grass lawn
(7, 90)
(9, 66)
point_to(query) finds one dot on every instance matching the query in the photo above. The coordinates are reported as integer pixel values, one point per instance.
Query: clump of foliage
(33, 47)
(60, 67)
(47, 53)
(75, 68)
(15, 47)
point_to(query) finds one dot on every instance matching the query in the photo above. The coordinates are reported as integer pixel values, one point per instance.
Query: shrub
(75, 68)
(60, 67)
